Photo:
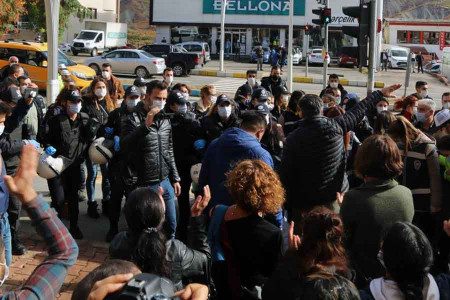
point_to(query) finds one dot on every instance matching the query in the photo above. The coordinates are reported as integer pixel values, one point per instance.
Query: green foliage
(68, 8)
(10, 11)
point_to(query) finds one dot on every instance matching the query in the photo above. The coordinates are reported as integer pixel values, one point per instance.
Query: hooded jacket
(222, 155)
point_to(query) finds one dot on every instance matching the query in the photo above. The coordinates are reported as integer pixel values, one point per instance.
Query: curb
(344, 81)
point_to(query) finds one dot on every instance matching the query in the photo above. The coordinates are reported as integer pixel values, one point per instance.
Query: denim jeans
(170, 225)
(6, 236)
(91, 178)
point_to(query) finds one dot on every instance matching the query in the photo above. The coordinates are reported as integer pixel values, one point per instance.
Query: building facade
(427, 36)
(248, 23)
(101, 10)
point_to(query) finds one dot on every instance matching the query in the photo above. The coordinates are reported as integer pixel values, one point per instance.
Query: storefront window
(431, 38)
(266, 37)
(415, 37)
(402, 37)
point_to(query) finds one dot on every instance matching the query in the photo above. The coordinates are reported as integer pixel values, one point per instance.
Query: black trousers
(65, 188)
(184, 205)
(118, 190)
(14, 207)
(419, 67)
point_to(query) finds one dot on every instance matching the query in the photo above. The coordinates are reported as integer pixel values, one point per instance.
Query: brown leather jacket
(119, 92)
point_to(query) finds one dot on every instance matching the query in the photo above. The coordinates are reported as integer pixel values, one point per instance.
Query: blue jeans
(170, 225)
(91, 178)
(6, 236)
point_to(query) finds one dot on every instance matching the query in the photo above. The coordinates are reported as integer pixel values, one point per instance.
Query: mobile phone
(30, 93)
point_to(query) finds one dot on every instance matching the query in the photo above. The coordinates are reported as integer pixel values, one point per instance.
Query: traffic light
(327, 16)
(307, 30)
(362, 13)
(318, 12)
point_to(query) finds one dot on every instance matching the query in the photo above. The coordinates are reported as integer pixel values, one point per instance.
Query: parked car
(436, 68)
(177, 58)
(266, 56)
(129, 61)
(316, 56)
(297, 56)
(34, 57)
(65, 48)
(347, 61)
(200, 48)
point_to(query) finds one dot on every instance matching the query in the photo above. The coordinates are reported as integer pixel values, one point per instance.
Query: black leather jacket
(187, 263)
(152, 147)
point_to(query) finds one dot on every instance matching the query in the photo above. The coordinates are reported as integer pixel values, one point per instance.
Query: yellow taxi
(33, 57)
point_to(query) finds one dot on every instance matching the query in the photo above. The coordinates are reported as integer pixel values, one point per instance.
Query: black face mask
(275, 77)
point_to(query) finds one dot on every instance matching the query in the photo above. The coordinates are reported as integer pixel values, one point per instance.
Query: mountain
(417, 9)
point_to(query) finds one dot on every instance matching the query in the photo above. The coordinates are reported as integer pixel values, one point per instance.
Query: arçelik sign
(254, 7)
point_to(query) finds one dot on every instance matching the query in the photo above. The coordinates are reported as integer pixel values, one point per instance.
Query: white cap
(62, 66)
(65, 72)
(442, 117)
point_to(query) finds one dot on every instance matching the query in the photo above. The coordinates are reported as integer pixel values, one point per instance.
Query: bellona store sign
(254, 7)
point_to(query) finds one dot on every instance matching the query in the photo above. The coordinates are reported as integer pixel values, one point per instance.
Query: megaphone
(50, 167)
(195, 172)
(101, 151)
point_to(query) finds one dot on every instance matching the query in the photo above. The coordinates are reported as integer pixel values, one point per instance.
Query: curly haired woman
(247, 247)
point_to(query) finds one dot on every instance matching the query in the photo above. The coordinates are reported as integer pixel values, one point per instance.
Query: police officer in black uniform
(70, 133)
(17, 130)
(122, 182)
(185, 131)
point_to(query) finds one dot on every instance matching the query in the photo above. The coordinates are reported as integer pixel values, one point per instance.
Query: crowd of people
(296, 196)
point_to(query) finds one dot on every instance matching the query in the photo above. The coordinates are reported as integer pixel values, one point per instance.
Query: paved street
(230, 85)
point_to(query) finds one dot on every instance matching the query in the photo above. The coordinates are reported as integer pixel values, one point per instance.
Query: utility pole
(290, 47)
(380, 5)
(222, 34)
(325, 57)
(372, 47)
(52, 22)
(307, 57)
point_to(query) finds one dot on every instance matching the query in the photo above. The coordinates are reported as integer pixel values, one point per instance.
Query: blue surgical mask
(325, 105)
(421, 117)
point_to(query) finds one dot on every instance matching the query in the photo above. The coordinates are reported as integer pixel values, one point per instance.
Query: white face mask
(182, 109)
(74, 108)
(424, 93)
(338, 100)
(100, 92)
(270, 106)
(159, 104)
(225, 112)
(285, 98)
(132, 103)
(105, 74)
(168, 79)
(267, 119)
(2, 128)
(415, 110)
(252, 81)
(213, 99)
(186, 96)
(143, 90)
(22, 89)
(381, 109)
(446, 105)
(334, 85)
(325, 105)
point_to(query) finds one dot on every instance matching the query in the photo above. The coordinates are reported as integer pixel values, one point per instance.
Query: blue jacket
(222, 155)
(4, 194)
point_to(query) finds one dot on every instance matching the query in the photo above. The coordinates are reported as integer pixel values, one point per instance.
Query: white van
(398, 56)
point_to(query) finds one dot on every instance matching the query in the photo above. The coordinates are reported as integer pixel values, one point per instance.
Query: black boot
(76, 232)
(92, 210)
(113, 230)
(17, 246)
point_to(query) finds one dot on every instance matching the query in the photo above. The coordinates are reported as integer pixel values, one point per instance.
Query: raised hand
(201, 202)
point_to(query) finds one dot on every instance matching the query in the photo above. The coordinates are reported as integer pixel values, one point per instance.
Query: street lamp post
(290, 47)
(52, 21)
(222, 34)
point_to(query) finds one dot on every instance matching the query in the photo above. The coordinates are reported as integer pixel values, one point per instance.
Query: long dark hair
(144, 212)
(322, 234)
(384, 120)
(408, 257)
(109, 102)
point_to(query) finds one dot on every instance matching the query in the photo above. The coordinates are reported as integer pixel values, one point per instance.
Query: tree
(68, 8)
(10, 12)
